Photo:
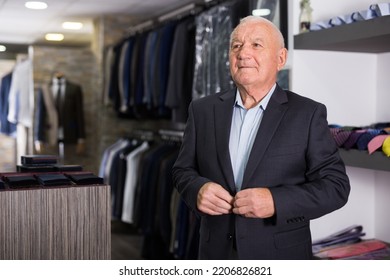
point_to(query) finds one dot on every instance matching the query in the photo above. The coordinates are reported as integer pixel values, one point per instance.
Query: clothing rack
(179, 13)
(171, 135)
(142, 134)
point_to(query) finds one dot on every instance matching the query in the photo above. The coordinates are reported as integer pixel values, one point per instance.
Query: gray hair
(258, 19)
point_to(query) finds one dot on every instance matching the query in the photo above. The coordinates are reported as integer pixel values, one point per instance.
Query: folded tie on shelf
(340, 135)
(353, 138)
(376, 143)
(365, 138)
(340, 20)
(363, 15)
(386, 147)
(320, 25)
(381, 9)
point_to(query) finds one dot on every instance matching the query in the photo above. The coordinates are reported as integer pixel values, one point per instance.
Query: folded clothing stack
(348, 244)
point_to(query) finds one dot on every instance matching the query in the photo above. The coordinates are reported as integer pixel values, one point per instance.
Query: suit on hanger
(72, 115)
(293, 155)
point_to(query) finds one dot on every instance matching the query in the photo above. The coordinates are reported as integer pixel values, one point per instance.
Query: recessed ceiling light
(2, 48)
(35, 5)
(261, 12)
(54, 37)
(72, 25)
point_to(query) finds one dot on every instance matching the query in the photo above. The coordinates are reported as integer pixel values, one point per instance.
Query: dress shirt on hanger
(58, 89)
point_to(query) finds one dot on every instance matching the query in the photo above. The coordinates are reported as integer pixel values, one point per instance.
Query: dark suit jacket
(73, 114)
(293, 154)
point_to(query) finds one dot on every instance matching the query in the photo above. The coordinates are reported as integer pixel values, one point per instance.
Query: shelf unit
(358, 158)
(369, 36)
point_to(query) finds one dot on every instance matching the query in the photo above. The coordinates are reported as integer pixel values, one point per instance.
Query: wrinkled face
(256, 55)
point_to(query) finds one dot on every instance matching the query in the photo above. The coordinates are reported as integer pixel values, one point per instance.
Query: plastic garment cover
(211, 69)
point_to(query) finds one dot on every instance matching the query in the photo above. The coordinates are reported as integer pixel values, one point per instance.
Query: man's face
(255, 55)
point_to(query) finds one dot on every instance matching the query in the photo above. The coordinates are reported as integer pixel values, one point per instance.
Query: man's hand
(254, 203)
(213, 199)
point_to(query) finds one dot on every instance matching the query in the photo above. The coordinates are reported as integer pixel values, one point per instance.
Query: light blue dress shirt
(243, 131)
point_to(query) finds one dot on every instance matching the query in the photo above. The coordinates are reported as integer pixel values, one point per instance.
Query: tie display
(369, 138)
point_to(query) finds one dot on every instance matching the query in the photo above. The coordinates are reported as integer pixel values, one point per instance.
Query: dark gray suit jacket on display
(293, 154)
(46, 124)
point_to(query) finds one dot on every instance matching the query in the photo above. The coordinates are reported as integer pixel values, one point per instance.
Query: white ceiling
(19, 25)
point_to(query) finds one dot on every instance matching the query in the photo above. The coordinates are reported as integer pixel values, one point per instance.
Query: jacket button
(230, 236)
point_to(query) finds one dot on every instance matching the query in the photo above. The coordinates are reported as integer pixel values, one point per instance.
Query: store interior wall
(354, 87)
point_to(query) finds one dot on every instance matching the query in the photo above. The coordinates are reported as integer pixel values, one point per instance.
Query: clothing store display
(155, 73)
(19, 106)
(143, 195)
(39, 171)
(6, 127)
(179, 85)
(131, 180)
(21, 95)
(373, 11)
(59, 113)
(213, 28)
(366, 138)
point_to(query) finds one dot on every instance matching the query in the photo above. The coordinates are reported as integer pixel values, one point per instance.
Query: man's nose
(244, 52)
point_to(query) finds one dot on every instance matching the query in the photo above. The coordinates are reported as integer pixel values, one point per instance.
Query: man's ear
(282, 58)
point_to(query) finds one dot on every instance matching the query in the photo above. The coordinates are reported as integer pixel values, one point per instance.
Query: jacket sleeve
(326, 187)
(186, 178)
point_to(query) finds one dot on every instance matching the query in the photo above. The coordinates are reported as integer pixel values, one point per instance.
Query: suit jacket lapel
(271, 119)
(223, 118)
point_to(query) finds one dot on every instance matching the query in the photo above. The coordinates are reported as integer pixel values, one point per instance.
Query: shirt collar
(263, 103)
(59, 81)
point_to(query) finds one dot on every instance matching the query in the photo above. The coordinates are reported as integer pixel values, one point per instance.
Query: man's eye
(257, 45)
(235, 46)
